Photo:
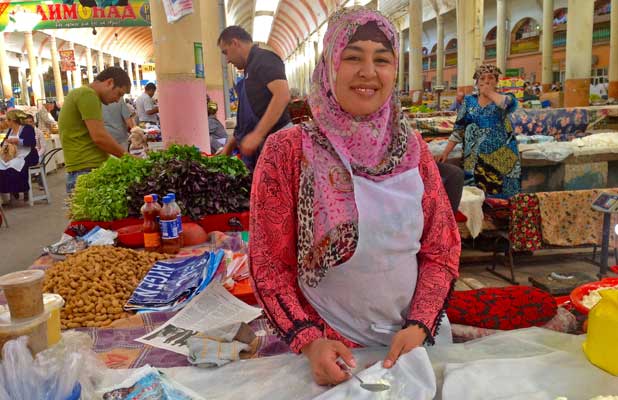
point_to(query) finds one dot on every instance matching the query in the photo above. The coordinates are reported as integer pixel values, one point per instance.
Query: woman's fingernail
(388, 364)
(353, 363)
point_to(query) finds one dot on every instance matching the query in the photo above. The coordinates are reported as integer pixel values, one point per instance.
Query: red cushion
(506, 308)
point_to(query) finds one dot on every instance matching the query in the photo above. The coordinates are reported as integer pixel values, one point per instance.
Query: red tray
(225, 222)
(220, 222)
(577, 295)
(243, 291)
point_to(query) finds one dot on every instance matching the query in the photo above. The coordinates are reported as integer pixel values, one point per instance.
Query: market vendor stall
(131, 342)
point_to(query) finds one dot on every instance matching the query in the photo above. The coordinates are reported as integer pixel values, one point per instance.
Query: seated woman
(491, 158)
(353, 239)
(218, 134)
(14, 173)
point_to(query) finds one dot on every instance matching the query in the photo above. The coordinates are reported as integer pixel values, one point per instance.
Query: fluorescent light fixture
(350, 3)
(261, 27)
(266, 5)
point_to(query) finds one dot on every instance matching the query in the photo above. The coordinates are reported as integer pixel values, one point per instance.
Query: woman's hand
(442, 157)
(403, 342)
(490, 93)
(322, 355)
(13, 140)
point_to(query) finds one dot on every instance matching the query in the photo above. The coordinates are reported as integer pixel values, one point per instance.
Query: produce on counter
(199, 190)
(228, 165)
(96, 283)
(419, 109)
(108, 193)
(101, 194)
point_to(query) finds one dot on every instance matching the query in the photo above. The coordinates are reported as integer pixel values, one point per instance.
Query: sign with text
(67, 60)
(148, 72)
(26, 16)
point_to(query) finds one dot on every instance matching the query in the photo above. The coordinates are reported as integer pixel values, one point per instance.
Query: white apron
(367, 298)
(19, 161)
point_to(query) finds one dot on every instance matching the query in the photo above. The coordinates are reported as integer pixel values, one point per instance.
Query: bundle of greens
(101, 195)
(203, 185)
(199, 189)
(228, 165)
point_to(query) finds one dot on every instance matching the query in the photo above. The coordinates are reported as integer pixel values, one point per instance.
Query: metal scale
(607, 204)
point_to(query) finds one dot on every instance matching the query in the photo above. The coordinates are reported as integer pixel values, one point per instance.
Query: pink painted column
(211, 27)
(182, 95)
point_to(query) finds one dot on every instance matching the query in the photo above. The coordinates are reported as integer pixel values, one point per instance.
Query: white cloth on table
(541, 361)
(532, 363)
(471, 206)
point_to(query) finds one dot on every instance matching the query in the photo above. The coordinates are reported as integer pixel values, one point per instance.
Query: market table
(523, 364)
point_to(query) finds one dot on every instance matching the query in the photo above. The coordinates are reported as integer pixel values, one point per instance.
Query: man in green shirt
(85, 141)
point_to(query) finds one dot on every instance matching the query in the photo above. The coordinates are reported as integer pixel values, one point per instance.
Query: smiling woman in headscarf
(491, 158)
(353, 241)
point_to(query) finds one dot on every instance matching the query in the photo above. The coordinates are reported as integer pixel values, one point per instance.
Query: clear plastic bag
(54, 373)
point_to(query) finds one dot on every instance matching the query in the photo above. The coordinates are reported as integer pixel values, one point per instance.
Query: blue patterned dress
(491, 159)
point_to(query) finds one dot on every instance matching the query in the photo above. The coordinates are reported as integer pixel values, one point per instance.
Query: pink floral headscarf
(376, 146)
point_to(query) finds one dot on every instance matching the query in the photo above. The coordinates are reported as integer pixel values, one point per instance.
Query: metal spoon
(372, 387)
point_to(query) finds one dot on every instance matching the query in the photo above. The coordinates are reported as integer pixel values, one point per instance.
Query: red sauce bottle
(152, 235)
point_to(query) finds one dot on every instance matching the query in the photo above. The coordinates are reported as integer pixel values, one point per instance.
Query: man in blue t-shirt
(263, 98)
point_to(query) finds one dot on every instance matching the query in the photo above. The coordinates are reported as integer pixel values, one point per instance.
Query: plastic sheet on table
(287, 376)
(527, 364)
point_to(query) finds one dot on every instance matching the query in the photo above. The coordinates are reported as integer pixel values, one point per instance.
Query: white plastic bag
(53, 374)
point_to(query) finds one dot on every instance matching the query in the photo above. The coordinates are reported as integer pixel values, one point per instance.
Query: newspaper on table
(213, 308)
(170, 285)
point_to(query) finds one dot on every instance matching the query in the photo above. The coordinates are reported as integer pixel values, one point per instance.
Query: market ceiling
(283, 24)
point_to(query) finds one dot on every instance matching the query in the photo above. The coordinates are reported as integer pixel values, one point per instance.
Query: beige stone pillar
(100, 61)
(89, 65)
(112, 61)
(415, 13)
(305, 68)
(501, 35)
(69, 80)
(23, 84)
(138, 82)
(465, 44)
(547, 49)
(439, 49)
(53, 49)
(613, 52)
(402, 64)
(131, 73)
(578, 53)
(34, 70)
(7, 87)
(77, 74)
(39, 63)
(479, 24)
(213, 63)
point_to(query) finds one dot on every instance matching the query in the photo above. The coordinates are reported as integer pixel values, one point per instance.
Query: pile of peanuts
(96, 283)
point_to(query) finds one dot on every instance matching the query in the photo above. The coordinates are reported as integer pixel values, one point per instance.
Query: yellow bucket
(600, 345)
(53, 305)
